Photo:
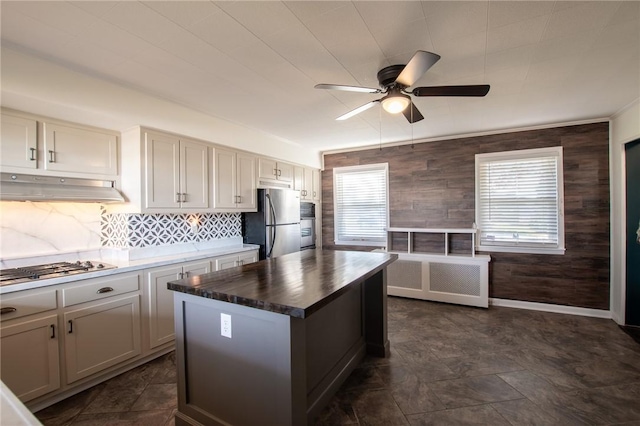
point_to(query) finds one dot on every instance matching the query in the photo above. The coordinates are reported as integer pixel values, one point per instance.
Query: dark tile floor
(449, 365)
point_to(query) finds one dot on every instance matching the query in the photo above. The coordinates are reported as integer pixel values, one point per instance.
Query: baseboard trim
(547, 307)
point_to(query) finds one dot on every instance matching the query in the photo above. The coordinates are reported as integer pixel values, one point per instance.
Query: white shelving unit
(445, 231)
(444, 277)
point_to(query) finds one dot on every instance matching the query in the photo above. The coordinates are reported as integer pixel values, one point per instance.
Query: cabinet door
(298, 179)
(247, 258)
(308, 184)
(162, 171)
(285, 172)
(316, 185)
(194, 174)
(226, 262)
(225, 179)
(246, 182)
(100, 336)
(71, 149)
(19, 142)
(196, 268)
(160, 304)
(29, 351)
(160, 299)
(267, 169)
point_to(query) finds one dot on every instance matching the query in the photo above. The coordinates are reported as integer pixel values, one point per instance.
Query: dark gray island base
(299, 324)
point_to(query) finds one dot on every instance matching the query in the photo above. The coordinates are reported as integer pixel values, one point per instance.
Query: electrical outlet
(194, 228)
(225, 325)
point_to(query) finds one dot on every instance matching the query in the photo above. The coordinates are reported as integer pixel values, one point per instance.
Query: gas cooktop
(50, 270)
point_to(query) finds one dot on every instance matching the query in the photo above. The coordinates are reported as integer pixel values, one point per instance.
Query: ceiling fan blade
(412, 114)
(475, 90)
(347, 88)
(417, 66)
(358, 110)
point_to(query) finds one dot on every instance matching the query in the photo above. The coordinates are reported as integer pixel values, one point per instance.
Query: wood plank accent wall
(432, 185)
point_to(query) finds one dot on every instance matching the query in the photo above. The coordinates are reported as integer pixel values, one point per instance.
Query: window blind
(360, 202)
(518, 199)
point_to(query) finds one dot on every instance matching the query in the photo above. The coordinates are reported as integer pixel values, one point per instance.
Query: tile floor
(449, 365)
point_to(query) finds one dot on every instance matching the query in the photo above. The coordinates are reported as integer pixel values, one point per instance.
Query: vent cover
(452, 278)
(405, 274)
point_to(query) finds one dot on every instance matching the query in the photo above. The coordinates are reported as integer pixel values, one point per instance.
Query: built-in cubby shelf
(446, 232)
(426, 268)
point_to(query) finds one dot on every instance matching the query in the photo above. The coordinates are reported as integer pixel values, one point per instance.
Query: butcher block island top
(296, 284)
(271, 342)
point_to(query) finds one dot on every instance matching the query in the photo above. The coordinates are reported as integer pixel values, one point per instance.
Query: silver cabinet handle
(52, 156)
(314, 194)
(105, 290)
(177, 197)
(7, 310)
(279, 172)
(184, 197)
(186, 274)
(33, 154)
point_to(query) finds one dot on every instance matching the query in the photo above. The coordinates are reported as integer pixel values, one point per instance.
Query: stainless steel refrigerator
(276, 224)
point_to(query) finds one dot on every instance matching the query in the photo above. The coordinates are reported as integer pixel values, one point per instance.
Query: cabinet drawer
(100, 289)
(23, 303)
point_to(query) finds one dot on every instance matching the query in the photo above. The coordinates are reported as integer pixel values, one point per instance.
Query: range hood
(18, 187)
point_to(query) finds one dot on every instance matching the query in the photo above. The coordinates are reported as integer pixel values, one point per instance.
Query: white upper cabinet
(235, 181)
(18, 147)
(74, 149)
(42, 146)
(162, 171)
(275, 173)
(307, 181)
(307, 191)
(317, 185)
(176, 173)
(194, 174)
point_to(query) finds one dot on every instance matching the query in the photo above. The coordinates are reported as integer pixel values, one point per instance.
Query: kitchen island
(271, 342)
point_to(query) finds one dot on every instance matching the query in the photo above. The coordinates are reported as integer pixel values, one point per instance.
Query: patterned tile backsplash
(130, 230)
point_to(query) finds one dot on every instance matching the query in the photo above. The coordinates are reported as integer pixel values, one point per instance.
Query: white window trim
(522, 154)
(347, 169)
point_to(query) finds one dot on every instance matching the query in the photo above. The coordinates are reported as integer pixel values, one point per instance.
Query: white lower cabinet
(226, 262)
(30, 364)
(68, 335)
(159, 299)
(101, 335)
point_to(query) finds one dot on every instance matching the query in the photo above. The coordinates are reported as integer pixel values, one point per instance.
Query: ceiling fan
(394, 81)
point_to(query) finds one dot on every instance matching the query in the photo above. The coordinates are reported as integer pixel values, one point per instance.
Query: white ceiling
(255, 63)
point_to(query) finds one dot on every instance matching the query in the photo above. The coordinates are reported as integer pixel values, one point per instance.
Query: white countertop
(126, 260)
(12, 411)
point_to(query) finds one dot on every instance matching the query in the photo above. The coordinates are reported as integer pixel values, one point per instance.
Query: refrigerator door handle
(272, 229)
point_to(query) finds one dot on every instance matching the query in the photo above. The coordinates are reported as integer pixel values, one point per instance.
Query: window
(519, 201)
(360, 204)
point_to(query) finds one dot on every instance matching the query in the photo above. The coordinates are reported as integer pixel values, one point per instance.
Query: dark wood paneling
(432, 185)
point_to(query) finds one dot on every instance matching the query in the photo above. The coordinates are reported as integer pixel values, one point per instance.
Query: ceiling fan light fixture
(395, 102)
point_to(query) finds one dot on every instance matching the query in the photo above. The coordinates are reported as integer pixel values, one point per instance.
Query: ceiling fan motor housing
(387, 76)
